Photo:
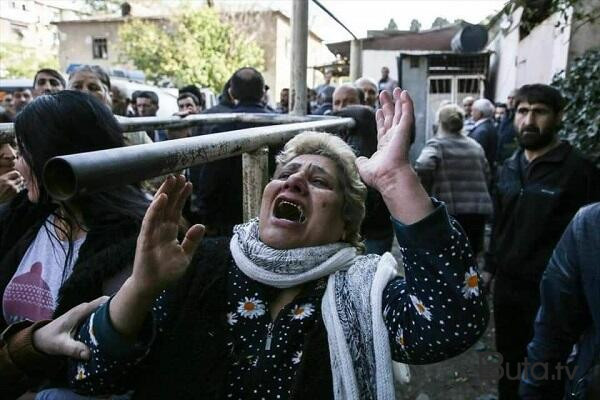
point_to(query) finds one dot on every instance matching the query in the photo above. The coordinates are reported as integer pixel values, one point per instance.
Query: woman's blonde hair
(353, 189)
(450, 118)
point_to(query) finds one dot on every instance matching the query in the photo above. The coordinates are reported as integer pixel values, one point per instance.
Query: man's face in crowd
(510, 101)
(328, 76)
(370, 92)
(468, 106)
(187, 104)
(344, 97)
(536, 125)
(88, 82)
(21, 99)
(7, 101)
(284, 97)
(145, 107)
(476, 114)
(385, 72)
(46, 84)
(499, 113)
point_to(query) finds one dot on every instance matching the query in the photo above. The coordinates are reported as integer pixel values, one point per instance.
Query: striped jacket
(453, 169)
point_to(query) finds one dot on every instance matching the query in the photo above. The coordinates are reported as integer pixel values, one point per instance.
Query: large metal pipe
(299, 54)
(67, 176)
(174, 122)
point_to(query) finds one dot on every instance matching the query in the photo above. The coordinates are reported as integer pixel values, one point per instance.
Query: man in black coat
(376, 228)
(217, 196)
(507, 141)
(540, 188)
(484, 131)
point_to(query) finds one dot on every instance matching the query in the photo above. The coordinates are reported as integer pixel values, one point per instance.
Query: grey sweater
(453, 169)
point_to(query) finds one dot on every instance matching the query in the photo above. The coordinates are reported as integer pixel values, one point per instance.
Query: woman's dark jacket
(104, 259)
(183, 358)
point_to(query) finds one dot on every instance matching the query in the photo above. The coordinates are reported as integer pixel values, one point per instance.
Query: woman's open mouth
(290, 211)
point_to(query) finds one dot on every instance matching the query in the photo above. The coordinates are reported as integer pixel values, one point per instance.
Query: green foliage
(18, 61)
(581, 88)
(535, 11)
(392, 26)
(415, 25)
(193, 47)
(440, 22)
(104, 5)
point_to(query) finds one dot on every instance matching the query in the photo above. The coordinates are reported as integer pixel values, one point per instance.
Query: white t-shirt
(33, 290)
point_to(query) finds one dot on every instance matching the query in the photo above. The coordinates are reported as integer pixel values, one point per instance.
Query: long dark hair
(71, 122)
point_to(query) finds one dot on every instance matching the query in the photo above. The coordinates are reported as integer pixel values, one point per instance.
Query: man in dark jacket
(484, 131)
(507, 140)
(217, 197)
(569, 314)
(540, 189)
(376, 228)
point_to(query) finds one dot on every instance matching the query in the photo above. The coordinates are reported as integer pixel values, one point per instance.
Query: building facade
(26, 25)
(95, 41)
(523, 56)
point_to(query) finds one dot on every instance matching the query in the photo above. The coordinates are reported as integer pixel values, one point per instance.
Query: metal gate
(450, 89)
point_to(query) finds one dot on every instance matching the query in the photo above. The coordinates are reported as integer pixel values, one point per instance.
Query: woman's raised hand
(395, 120)
(389, 170)
(160, 258)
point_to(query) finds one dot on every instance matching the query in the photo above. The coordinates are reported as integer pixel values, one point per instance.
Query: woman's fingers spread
(379, 118)
(408, 113)
(192, 239)
(397, 105)
(183, 196)
(154, 215)
(166, 186)
(173, 211)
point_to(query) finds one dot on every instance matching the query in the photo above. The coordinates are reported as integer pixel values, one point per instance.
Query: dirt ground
(459, 378)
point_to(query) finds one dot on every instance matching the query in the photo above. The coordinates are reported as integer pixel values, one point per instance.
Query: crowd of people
(161, 290)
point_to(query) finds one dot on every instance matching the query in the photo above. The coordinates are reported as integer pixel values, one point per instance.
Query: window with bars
(458, 64)
(437, 86)
(468, 85)
(99, 48)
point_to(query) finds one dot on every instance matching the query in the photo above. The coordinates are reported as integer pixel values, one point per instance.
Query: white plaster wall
(543, 53)
(506, 47)
(374, 60)
(535, 59)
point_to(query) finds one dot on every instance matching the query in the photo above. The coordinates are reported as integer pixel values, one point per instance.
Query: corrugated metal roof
(433, 40)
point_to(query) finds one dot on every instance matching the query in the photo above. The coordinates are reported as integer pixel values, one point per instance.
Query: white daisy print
(80, 372)
(421, 309)
(297, 357)
(471, 286)
(302, 311)
(400, 338)
(91, 331)
(251, 308)
(232, 318)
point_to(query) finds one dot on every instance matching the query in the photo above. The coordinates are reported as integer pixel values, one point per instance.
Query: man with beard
(539, 190)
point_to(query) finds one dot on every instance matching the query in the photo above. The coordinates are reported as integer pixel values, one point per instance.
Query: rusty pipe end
(59, 179)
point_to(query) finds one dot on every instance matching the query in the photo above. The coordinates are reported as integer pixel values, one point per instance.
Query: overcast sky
(361, 15)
